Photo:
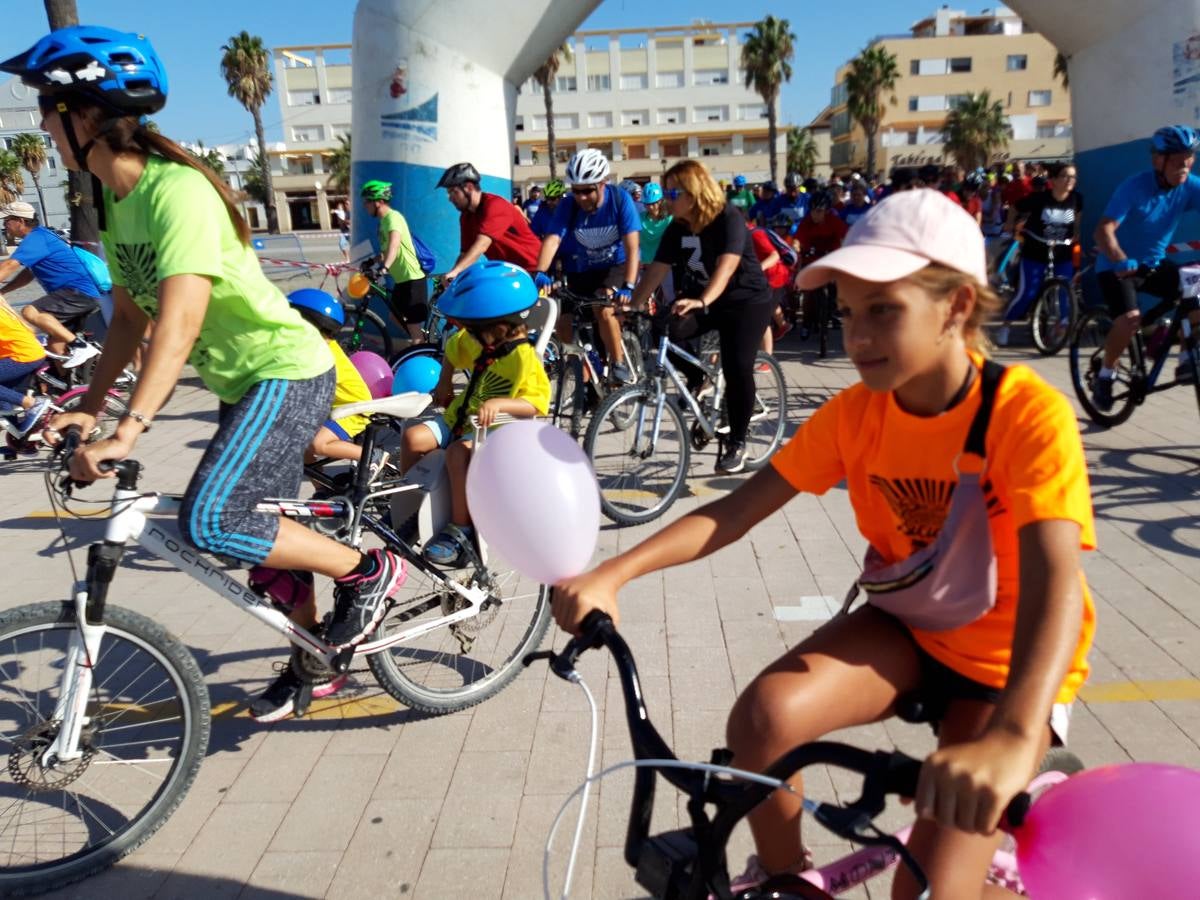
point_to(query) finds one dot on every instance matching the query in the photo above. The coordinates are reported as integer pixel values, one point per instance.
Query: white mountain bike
(104, 715)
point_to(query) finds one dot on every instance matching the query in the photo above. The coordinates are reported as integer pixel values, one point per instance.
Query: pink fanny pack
(951, 582)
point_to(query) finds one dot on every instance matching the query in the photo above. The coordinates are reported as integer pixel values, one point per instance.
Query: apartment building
(312, 85)
(943, 59)
(18, 115)
(648, 98)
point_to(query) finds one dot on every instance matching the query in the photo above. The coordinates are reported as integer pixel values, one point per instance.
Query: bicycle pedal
(341, 662)
(303, 701)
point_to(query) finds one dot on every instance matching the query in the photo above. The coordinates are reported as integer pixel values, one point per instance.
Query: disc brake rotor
(25, 760)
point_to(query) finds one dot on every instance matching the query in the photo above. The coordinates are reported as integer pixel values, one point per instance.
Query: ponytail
(128, 135)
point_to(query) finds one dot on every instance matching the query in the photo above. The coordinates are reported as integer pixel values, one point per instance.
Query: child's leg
(955, 862)
(417, 441)
(329, 445)
(849, 672)
(458, 458)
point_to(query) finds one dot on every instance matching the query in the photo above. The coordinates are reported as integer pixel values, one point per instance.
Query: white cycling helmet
(588, 166)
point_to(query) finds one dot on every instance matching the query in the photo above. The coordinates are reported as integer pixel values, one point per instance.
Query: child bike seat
(401, 406)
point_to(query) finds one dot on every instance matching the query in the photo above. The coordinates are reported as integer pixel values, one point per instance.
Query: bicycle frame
(679, 865)
(130, 521)
(664, 366)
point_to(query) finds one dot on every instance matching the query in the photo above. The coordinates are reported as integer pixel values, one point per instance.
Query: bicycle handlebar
(884, 772)
(1050, 242)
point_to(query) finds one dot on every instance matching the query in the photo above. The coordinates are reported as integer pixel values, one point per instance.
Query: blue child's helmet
(417, 373)
(1175, 139)
(320, 308)
(118, 69)
(653, 193)
(739, 181)
(487, 292)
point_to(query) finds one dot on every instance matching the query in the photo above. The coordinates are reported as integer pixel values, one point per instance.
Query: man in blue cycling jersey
(595, 232)
(540, 223)
(71, 294)
(1133, 236)
(765, 207)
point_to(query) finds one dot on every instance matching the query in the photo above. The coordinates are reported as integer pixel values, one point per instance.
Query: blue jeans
(13, 376)
(1033, 274)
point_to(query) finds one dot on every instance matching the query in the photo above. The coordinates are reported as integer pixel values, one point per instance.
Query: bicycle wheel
(570, 396)
(366, 330)
(454, 667)
(638, 481)
(768, 418)
(635, 358)
(433, 351)
(143, 741)
(823, 322)
(109, 418)
(1051, 318)
(1087, 355)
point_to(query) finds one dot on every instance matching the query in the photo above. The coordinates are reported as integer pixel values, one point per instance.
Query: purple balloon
(533, 496)
(375, 372)
(1114, 833)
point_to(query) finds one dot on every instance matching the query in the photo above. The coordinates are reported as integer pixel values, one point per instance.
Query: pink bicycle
(690, 863)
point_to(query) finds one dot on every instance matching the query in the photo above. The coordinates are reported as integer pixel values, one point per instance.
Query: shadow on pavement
(1124, 478)
(130, 881)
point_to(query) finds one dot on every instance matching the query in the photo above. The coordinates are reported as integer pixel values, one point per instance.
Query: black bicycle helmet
(821, 200)
(458, 175)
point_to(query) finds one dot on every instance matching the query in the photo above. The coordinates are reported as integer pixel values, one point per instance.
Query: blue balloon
(420, 374)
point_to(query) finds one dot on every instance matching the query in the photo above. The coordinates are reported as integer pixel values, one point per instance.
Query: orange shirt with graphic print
(899, 469)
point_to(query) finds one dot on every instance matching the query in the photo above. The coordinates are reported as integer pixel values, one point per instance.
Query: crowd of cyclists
(909, 263)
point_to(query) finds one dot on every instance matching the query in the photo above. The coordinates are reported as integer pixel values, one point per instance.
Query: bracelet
(142, 420)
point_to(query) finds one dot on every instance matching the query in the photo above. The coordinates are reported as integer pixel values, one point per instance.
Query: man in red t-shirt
(820, 232)
(1020, 188)
(489, 225)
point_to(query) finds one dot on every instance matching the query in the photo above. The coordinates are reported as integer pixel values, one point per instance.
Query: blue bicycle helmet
(652, 194)
(118, 69)
(739, 181)
(320, 308)
(487, 292)
(1175, 139)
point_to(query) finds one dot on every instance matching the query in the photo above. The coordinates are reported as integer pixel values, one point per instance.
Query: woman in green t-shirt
(180, 255)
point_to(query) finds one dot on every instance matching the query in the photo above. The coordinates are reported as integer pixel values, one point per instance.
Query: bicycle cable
(585, 786)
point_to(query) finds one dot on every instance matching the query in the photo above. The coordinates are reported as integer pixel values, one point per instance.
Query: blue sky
(189, 36)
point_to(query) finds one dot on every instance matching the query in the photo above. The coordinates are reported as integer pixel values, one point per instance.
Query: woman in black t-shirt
(719, 285)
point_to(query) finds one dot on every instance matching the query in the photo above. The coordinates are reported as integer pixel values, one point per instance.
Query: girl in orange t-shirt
(20, 356)
(911, 285)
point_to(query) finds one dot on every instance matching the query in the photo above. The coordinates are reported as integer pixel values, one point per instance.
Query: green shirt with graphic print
(174, 223)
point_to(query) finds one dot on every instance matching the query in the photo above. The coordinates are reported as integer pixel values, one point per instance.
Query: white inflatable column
(436, 84)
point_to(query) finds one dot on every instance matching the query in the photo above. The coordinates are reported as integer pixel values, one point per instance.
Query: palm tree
(210, 157)
(767, 62)
(545, 75)
(84, 225)
(246, 67)
(12, 184)
(30, 149)
(976, 129)
(252, 182)
(872, 76)
(1061, 71)
(339, 167)
(802, 151)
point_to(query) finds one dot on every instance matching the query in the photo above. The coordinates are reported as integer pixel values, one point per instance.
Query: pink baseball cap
(904, 233)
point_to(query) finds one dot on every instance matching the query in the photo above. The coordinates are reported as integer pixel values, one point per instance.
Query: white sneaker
(81, 352)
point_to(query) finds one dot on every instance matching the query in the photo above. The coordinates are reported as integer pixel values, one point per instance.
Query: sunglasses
(674, 193)
(584, 191)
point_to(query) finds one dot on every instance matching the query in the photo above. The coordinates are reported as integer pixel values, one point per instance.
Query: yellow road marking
(103, 512)
(1135, 691)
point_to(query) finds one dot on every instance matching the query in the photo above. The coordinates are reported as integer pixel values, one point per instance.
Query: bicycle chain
(24, 758)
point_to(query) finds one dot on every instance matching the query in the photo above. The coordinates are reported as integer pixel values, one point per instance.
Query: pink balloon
(1114, 833)
(534, 498)
(375, 372)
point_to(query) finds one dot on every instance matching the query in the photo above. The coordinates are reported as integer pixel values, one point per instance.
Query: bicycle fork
(82, 652)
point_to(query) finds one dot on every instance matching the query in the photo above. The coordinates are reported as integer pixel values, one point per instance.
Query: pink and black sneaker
(361, 601)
